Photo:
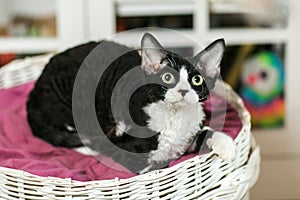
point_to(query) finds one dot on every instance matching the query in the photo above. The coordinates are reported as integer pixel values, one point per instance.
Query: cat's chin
(182, 103)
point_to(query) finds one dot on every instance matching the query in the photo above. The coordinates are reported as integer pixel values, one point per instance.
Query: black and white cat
(169, 109)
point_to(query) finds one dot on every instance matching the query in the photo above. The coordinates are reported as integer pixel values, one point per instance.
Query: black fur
(49, 106)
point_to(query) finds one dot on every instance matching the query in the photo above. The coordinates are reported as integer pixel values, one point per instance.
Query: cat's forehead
(178, 62)
(183, 73)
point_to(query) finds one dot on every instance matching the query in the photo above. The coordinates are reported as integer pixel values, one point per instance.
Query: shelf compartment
(240, 13)
(171, 22)
(19, 19)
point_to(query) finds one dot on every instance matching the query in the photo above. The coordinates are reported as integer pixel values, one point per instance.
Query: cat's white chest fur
(177, 125)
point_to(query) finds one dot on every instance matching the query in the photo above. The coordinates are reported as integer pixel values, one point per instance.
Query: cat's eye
(168, 78)
(197, 80)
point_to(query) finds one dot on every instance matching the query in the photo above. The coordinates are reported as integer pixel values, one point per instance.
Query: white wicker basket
(202, 177)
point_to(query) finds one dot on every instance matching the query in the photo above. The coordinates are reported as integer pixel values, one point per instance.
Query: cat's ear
(152, 54)
(210, 58)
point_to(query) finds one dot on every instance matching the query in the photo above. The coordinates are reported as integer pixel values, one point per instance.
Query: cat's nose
(183, 92)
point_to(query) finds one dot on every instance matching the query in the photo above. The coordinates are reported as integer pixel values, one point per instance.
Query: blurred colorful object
(262, 89)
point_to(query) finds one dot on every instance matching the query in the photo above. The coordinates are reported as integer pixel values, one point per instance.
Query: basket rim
(152, 175)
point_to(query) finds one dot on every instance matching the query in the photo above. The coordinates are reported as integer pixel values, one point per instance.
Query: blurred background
(260, 62)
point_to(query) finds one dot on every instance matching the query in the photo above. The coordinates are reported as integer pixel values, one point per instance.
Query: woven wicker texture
(202, 177)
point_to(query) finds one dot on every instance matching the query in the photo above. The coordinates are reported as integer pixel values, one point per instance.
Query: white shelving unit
(201, 34)
(97, 20)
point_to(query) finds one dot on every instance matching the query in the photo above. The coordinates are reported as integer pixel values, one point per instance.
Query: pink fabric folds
(19, 149)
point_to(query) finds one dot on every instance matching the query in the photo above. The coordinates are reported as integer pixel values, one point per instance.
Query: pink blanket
(19, 149)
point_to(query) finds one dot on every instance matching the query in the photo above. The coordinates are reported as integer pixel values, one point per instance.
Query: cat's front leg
(218, 142)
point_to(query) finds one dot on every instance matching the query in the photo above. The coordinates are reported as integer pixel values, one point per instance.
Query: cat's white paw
(222, 145)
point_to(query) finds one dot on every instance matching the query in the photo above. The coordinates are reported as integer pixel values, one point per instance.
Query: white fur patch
(178, 125)
(222, 145)
(121, 129)
(70, 128)
(86, 151)
(183, 74)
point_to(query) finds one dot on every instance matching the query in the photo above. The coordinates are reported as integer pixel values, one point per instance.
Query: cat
(168, 108)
